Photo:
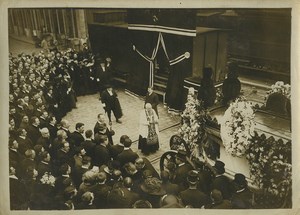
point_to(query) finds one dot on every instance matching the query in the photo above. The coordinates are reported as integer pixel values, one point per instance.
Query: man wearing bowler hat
(221, 182)
(242, 196)
(192, 196)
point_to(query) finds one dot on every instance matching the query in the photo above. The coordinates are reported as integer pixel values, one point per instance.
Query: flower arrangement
(47, 178)
(237, 127)
(270, 165)
(193, 121)
(280, 87)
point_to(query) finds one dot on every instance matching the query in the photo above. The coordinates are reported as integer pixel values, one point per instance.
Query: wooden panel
(198, 54)
(211, 51)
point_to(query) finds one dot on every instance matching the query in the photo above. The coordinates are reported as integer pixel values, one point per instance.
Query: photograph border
(4, 92)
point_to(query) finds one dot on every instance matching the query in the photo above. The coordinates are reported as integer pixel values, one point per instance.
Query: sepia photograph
(149, 107)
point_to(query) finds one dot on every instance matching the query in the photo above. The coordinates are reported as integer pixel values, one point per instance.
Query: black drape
(177, 45)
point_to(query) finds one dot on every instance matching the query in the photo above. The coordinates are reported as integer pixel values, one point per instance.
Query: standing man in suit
(127, 155)
(242, 197)
(152, 98)
(76, 137)
(192, 196)
(101, 155)
(110, 103)
(89, 144)
(221, 182)
(101, 128)
(102, 75)
(33, 130)
(115, 150)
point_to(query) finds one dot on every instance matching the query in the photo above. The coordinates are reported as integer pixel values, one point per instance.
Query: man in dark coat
(28, 162)
(111, 103)
(221, 182)
(231, 86)
(101, 128)
(44, 165)
(192, 196)
(14, 156)
(64, 155)
(18, 198)
(24, 142)
(52, 127)
(101, 190)
(115, 150)
(44, 140)
(89, 144)
(65, 171)
(130, 196)
(33, 130)
(182, 170)
(76, 138)
(104, 75)
(78, 172)
(101, 155)
(127, 155)
(152, 98)
(242, 196)
(207, 91)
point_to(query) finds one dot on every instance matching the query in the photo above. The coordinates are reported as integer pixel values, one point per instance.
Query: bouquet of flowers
(237, 127)
(280, 87)
(193, 120)
(47, 178)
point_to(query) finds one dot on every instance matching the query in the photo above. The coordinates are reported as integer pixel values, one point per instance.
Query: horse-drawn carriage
(268, 155)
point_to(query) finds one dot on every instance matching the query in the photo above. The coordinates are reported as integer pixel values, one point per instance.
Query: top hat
(193, 177)
(240, 179)
(219, 167)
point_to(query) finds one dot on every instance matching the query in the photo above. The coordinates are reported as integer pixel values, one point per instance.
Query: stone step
(164, 86)
(162, 78)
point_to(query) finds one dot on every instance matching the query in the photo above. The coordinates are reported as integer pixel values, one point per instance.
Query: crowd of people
(53, 168)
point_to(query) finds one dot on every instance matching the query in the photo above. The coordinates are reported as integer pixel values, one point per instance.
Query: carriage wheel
(166, 158)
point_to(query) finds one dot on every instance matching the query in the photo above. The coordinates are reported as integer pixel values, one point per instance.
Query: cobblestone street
(88, 107)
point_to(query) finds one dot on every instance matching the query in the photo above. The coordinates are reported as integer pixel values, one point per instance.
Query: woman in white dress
(148, 130)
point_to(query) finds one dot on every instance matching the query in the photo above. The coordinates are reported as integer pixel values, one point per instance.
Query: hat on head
(153, 186)
(181, 155)
(219, 167)
(193, 177)
(240, 179)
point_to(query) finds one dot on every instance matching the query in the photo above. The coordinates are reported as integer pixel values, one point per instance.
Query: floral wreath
(237, 127)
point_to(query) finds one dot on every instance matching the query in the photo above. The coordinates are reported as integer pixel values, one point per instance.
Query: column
(81, 23)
